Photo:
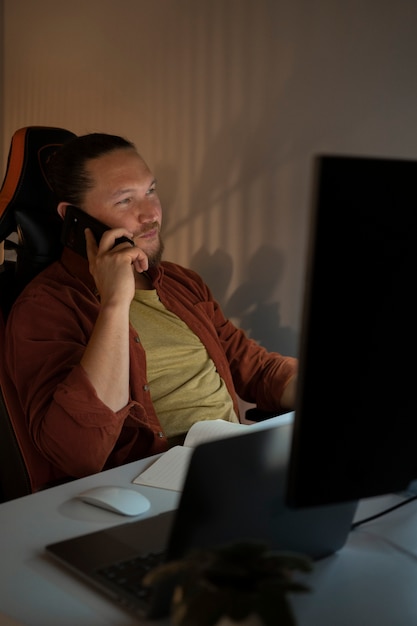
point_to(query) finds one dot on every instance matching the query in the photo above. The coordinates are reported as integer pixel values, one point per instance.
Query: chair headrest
(27, 204)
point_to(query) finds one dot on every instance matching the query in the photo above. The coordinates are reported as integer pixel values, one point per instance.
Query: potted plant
(240, 583)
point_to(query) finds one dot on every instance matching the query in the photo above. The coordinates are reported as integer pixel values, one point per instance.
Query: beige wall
(228, 101)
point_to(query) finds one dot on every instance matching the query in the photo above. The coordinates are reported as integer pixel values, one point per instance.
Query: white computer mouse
(117, 499)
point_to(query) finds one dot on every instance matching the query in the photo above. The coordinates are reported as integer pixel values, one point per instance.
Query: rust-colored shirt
(74, 431)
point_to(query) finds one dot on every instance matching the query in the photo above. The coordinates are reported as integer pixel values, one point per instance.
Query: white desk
(372, 580)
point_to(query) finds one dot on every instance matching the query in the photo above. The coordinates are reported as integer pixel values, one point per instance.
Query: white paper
(170, 469)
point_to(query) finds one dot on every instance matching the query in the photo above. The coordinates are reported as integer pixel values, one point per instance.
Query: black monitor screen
(355, 429)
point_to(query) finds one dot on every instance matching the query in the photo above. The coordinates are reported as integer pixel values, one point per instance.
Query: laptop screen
(355, 429)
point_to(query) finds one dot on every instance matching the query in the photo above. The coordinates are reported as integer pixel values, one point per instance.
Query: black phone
(75, 222)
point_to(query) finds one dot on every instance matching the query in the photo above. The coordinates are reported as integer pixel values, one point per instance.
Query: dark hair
(67, 168)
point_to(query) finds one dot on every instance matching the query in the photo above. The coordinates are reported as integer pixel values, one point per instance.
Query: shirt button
(160, 434)
(145, 387)
(137, 339)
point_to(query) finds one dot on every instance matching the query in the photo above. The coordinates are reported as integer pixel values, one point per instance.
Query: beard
(154, 258)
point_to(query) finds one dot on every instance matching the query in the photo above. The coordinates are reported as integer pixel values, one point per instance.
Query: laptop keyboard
(128, 575)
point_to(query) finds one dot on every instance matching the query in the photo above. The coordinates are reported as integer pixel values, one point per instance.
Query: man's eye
(124, 201)
(151, 190)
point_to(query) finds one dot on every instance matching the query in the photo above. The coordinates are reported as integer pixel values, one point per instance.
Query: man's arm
(289, 394)
(106, 357)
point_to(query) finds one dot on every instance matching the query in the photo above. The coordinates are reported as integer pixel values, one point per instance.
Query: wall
(228, 101)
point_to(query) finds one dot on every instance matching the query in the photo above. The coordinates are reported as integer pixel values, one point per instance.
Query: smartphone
(75, 222)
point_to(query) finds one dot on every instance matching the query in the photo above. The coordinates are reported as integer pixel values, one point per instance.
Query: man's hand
(112, 266)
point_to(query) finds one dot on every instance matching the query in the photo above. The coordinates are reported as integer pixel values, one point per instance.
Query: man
(115, 357)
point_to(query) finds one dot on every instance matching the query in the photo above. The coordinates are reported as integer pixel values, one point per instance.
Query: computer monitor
(355, 428)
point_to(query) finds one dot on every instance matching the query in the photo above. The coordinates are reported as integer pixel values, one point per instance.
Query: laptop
(234, 490)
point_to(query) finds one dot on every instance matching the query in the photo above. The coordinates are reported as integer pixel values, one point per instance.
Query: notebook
(234, 490)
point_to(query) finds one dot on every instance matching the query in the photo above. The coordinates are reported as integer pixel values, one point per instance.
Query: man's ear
(61, 208)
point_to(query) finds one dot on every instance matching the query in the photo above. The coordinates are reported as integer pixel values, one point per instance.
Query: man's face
(123, 193)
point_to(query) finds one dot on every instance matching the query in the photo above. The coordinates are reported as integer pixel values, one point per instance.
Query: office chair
(29, 241)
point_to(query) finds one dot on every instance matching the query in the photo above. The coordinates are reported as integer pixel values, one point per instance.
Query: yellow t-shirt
(184, 384)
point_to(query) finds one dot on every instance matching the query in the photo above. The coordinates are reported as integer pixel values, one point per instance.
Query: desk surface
(372, 580)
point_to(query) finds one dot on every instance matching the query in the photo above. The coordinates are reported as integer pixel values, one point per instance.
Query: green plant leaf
(235, 580)
(196, 605)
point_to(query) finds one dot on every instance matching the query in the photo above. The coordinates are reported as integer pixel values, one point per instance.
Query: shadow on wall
(250, 306)
(234, 164)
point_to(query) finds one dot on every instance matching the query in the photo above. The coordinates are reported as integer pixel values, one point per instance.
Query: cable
(381, 513)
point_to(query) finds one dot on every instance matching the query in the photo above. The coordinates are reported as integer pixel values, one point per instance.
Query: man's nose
(148, 211)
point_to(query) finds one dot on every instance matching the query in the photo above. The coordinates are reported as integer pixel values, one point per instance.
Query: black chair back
(30, 239)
